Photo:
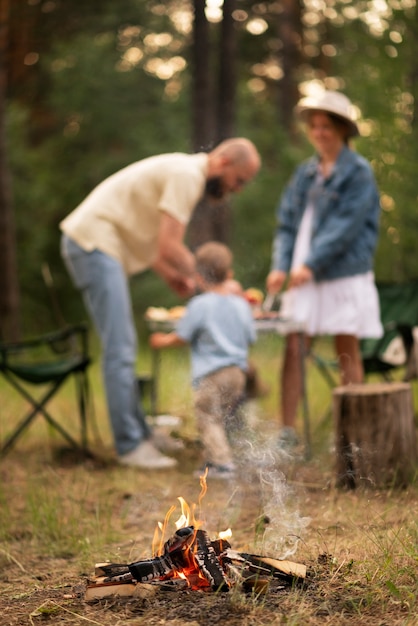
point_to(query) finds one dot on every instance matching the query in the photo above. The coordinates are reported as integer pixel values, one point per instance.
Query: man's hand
(183, 288)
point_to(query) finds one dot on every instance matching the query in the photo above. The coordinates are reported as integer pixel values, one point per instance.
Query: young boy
(219, 327)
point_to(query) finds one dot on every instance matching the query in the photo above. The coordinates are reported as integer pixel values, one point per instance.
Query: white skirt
(345, 306)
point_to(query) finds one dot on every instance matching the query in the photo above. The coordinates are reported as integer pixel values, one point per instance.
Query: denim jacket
(346, 218)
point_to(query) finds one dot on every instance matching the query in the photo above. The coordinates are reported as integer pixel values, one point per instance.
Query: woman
(324, 245)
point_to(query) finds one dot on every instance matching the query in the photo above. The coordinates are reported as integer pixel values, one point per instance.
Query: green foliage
(103, 119)
(99, 108)
(381, 85)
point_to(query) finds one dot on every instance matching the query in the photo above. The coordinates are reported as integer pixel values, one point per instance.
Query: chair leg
(323, 370)
(38, 407)
(16, 433)
(60, 429)
(31, 415)
(83, 398)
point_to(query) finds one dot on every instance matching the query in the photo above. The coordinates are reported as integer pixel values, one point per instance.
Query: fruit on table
(253, 295)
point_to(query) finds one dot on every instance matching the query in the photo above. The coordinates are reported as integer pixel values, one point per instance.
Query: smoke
(280, 526)
(285, 525)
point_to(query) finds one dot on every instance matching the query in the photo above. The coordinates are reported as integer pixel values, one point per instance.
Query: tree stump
(376, 443)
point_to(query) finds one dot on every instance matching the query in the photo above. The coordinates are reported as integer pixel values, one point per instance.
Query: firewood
(110, 569)
(264, 564)
(290, 568)
(152, 569)
(172, 559)
(135, 590)
(208, 563)
(202, 563)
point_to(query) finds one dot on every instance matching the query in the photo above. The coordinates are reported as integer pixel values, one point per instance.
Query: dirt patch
(61, 515)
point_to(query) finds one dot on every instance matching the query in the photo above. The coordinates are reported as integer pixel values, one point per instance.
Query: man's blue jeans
(105, 290)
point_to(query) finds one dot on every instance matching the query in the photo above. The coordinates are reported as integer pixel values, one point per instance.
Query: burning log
(157, 568)
(208, 563)
(189, 552)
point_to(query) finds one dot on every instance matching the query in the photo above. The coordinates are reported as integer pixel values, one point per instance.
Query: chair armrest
(52, 339)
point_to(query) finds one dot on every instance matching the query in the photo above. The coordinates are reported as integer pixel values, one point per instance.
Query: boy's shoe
(166, 443)
(224, 472)
(288, 438)
(146, 456)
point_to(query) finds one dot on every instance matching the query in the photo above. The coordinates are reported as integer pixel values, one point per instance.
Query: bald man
(133, 221)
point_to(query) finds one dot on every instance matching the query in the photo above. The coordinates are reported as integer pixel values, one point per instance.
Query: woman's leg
(350, 363)
(291, 378)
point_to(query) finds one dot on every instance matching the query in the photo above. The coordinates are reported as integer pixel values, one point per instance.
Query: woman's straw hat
(330, 102)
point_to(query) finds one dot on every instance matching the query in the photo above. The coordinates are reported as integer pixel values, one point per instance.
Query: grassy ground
(60, 514)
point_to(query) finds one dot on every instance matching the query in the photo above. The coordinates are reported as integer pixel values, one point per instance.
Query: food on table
(254, 296)
(176, 312)
(162, 314)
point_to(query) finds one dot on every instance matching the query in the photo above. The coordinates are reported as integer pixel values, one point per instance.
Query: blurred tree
(214, 109)
(382, 86)
(290, 35)
(201, 73)
(93, 86)
(9, 284)
(227, 73)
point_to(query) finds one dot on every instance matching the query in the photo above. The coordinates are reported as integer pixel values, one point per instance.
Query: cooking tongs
(271, 303)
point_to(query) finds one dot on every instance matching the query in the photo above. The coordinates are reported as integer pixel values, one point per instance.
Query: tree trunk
(227, 73)
(290, 34)
(202, 109)
(413, 67)
(212, 222)
(375, 435)
(9, 287)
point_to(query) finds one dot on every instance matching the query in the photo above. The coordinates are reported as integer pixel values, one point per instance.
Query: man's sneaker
(288, 438)
(224, 472)
(146, 456)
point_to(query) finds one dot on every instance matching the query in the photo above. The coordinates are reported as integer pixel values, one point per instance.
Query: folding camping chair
(399, 315)
(48, 361)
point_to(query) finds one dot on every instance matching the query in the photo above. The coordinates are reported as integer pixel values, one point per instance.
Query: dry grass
(60, 514)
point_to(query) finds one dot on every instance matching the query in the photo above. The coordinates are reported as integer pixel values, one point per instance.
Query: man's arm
(174, 263)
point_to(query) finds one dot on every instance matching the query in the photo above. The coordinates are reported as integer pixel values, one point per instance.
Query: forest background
(88, 87)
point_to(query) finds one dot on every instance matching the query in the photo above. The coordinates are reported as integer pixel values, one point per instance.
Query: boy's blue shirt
(346, 220)
(219, 329)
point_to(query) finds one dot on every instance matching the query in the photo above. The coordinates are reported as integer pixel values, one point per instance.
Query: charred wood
(208, 562)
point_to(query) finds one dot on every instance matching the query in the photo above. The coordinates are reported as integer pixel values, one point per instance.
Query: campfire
(189, 559)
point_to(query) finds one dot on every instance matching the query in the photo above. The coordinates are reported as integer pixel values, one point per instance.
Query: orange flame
(159, 532)
(187, 517)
